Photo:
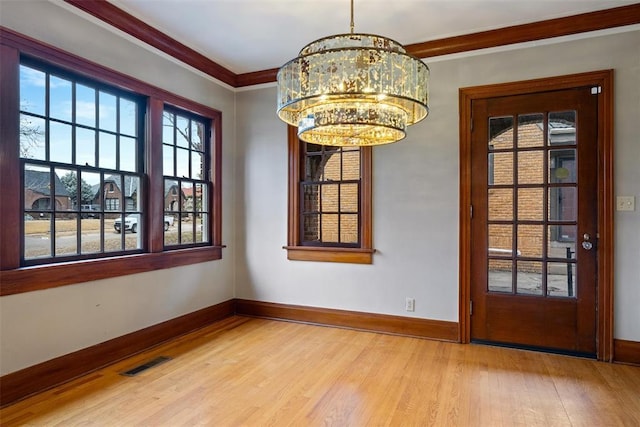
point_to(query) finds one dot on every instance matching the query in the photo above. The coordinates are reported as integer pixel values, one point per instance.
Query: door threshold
(537, 349)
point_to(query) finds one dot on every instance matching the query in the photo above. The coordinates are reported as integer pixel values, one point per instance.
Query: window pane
(37, 188)
(197, 136)
(500, 240)
(186, 233)
(500, 133)
(562, 128)
(329, 228)
(529, 278)
(32, 90)
(311, 228)
(500, 204)
(349, 228)
(107, 111)
(531, 167)
(66, 234)
(91, 189)
(332, 170)
(171, 196)
(85, 105)
(128, 154)
(561, 241)
(66, 189)
(562, 204)
(311, 197)
(37, 236)
(182, 131)
(107, 151)
(60, 96)
(182, 163)
(329, 198)
(85, 147)
(202, 228)
(167, 160)
(113, 232)
(91, 231)
(201, 198)
(530, 203)
(530, 132)
(197, 165)
(128, 115)
(351, 165)
(562, 166)
(32, 137)
(561, 279)
(500, 276)
(500, 168)
(60, 142)
(530, 240)
(349, 198)
(131, 193)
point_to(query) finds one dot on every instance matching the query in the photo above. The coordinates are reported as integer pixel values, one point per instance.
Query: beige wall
(415, 192)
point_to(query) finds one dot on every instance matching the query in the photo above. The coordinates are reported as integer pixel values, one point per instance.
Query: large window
(102, 175)
(329, 203)
(80, 148)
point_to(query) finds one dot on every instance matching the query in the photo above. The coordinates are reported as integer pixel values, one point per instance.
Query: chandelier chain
(352, 24)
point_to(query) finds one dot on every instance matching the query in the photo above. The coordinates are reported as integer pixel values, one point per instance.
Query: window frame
(298, 252)
(15, 278)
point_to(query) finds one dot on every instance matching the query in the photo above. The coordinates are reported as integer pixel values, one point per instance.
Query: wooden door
(534, 220)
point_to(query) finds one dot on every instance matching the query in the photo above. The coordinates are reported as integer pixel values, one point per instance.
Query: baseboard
(626, 352)
(35, 379)
(398, 325)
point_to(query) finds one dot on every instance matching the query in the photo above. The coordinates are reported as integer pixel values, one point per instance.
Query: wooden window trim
(16, 279)
(297, 252)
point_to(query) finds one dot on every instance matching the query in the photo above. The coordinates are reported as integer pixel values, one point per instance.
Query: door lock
(586, 244)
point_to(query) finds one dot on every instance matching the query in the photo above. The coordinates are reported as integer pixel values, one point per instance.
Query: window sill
(325, 254)
(28, 279)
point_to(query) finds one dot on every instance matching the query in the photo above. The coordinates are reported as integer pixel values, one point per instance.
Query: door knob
(586, 244)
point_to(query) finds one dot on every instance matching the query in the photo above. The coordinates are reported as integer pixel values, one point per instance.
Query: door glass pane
(500, 168)
(561, 279)
(562, 204)
(530, 130)
(561, 241)
(529, 278)
(530, 203)
(500, 204)
(562, 166)
(562, 128)
(500, 239)
(500, 275)
(530, 240)
(531, 167)
(500, 133)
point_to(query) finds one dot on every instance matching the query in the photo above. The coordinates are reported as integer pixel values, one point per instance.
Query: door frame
(604, 80)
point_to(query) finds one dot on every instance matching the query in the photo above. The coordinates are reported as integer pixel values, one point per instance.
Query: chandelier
(353, 90)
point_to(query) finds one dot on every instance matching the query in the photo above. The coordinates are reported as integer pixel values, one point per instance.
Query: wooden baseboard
(398, 325)
(35, 379)
(626, 352)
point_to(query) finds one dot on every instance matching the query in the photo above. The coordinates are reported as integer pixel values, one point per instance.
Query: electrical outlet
(625, 203)
(410, 304)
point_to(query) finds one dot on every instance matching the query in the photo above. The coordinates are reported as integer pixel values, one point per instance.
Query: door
(534, 220)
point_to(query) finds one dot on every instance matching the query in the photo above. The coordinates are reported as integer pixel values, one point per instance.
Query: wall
(415, 192)
(39, 326)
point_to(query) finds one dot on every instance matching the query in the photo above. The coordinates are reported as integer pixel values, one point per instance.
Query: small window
(186, 149)
(329, 202)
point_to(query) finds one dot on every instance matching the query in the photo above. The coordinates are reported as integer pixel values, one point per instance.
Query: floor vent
(150, 364)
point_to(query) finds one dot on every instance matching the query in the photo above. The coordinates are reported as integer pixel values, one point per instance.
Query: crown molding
(551, 28)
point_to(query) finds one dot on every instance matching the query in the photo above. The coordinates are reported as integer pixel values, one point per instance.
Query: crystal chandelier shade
(353, 89)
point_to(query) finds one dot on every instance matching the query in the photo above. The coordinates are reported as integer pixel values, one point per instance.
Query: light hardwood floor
(255, 372)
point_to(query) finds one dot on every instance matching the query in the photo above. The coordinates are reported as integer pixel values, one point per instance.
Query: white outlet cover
(625, 203)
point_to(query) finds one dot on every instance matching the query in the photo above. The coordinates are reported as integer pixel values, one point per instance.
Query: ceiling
(253, 35)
